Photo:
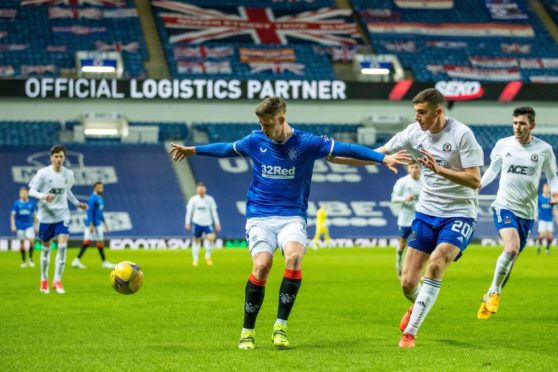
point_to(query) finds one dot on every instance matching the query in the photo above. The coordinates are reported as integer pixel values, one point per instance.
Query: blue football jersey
(281, 172)
(95, 212)
(23, 212)
(545, 209)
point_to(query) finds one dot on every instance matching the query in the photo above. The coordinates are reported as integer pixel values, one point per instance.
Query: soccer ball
(126, 277)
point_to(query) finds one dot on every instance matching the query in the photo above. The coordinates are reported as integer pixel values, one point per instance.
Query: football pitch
(346, 316)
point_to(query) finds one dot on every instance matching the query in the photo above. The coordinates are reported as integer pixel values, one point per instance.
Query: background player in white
(52, 185)
(202, 211)
(23, 221)
(448, 203)
(276, 210)
(519, 159)
(405, 195)
(546, 216)
(94, 227)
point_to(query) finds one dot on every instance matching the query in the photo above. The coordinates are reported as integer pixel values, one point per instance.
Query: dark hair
(432, 96)
(57, 148)
(525, 110)
(272, 106)
(412, 162)
(200, 184)
(97, 183)
(23, 188)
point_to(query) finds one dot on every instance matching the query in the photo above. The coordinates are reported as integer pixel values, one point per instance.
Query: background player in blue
(94, 224)
(547, 214)
(24, 223)
(283, 160)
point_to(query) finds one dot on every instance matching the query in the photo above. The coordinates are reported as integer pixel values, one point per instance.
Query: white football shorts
(265, 234)
(28, 233)
(546, 226)
(97, 234)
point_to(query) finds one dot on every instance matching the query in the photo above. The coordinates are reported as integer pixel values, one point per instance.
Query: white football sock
(503, 266)
(208, 248)
(195, 250)
(45, 261)
(423, 304)
(60, 262)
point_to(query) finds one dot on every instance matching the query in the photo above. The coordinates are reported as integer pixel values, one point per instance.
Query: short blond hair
(271, 107)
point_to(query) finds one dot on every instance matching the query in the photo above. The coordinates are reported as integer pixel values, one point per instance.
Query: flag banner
(453, 29)
(424, 4)
(90, 13)
(342, 53)
(204, 67)
(544, 79)
(57, 48)
(400, 46)
(79, 30)
(266, 55)
(192, 24)
(277, 68)
(202, 52)
(505, 10)
(27, 70)
(379, 14)
(538, 63)
(117, 47)
(516, 48)
(7, 71)
(447, 44)
(8, 13)
(471, 73)
(74, 2)
(13, 47)
(493, 62)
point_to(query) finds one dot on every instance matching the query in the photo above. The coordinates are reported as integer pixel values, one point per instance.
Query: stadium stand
(41, 39)
(29, 132)
(552, 9)
(470, 41)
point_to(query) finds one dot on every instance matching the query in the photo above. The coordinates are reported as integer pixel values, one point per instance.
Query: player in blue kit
(23, 220)
(283, 160)
(94, 224)
(547, 214)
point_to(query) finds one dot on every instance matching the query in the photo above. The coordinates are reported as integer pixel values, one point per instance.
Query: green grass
(346, 316)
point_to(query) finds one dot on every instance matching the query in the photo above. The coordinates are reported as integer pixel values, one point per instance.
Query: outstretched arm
(356, 153)
(218, 150)
(352, 161)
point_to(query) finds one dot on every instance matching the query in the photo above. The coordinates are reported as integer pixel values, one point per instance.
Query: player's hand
(48, 198)
(409, 198)
(401, 157)
(217, 229)
(554, 198)
(107, 227)
(428, 161)
(187, 227)
(13, 228)
(82, 206)
(178, 152)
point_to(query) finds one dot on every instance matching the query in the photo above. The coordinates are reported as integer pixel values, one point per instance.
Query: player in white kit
(202, 211)
(52, 186)
(519, 159)
(447, 208)
(405, 195)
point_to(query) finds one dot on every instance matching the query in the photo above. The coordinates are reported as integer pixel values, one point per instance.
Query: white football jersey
(202, 211)
(59, 184)
(453, 148)
(520, 168)
(404, 187)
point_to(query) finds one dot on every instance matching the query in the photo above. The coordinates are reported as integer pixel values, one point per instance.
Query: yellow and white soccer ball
(126, 277)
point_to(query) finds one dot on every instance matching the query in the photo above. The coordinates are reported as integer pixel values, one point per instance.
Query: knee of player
(512, 250)
(408, 285)
(436, 267)
(261, 268)
(294, 259)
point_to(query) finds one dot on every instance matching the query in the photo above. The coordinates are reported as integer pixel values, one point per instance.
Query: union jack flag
(204, 67)
(118, 47)
(400, 46)
(6, 71)
(327, 26)
(27, 70)
(75, 13)
(277, 68)
(74, 2)
(202, 52)
(516, 48)
(79, 30)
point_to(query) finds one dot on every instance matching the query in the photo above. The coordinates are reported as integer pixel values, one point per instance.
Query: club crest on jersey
(534, 158)
(446, 147)
(507, 219)
(292, 153)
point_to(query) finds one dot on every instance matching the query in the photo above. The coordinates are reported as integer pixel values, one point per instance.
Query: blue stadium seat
(29, 132)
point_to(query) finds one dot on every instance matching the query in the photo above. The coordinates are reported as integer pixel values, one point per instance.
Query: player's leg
(30, 236)
(404, 232)
(22, 252)
(549, 237)
(99, 236)
(63, 234)
(317, 236)
(327, 238)
(209, 244)
(196, 244)
(46, 233)
(262, 244)
(85, 244)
